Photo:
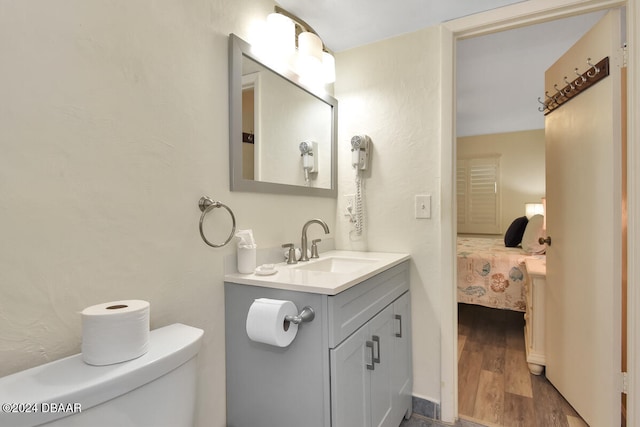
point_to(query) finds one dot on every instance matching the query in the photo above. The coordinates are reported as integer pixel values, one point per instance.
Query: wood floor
(494, 383)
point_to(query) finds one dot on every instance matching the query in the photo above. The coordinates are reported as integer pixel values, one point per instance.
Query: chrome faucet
(303, 248)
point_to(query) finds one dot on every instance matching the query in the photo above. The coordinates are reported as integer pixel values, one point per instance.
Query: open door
(584, 259)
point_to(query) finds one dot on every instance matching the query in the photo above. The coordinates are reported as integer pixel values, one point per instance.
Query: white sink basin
(337, 264)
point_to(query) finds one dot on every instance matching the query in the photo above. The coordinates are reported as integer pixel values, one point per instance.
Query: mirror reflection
(282, 134)
(277, 117)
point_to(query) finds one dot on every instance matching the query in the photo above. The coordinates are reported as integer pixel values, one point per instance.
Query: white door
(583, 147)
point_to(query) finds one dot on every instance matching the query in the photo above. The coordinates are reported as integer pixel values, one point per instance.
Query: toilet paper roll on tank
(266, 322)
(115, 331)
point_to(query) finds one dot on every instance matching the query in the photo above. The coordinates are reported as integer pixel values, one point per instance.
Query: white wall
(390, 90)
(522, 170)
(114, 121)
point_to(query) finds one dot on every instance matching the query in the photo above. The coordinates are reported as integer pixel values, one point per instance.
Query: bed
(491, 274)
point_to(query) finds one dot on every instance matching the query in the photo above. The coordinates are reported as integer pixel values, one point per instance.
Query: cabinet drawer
(352, 308)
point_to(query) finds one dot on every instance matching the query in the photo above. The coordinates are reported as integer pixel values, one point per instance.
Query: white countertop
(288, 277)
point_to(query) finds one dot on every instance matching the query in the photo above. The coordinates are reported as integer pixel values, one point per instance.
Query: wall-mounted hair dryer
(360, 146)
(360, 152)
(308, 149)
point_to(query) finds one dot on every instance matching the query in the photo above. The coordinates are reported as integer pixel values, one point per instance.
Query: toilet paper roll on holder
(306, 315)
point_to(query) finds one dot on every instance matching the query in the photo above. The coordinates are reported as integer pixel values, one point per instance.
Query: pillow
(531, 235)
(513, 236)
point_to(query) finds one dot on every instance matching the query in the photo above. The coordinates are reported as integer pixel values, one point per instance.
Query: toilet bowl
(156, 389)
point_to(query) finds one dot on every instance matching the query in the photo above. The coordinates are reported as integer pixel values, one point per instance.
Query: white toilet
(156, 389)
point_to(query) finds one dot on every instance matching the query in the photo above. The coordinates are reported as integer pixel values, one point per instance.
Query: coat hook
(559, 94)
(570, 84)
(595, 69)
(584, 79)
(544, 106)
(550, 100)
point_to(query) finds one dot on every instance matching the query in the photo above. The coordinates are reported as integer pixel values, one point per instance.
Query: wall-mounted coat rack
(574, 87)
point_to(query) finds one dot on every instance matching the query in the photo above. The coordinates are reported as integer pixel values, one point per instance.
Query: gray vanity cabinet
(321, 379)
(402, 362)
(371, 371)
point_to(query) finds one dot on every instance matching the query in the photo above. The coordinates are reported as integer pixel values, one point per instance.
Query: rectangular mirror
(282, 136)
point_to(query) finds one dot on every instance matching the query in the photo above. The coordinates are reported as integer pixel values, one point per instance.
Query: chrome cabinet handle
(376, 339)
(371, 366)
(399, 334)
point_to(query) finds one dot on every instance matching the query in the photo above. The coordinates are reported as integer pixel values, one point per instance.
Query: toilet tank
(156, 389)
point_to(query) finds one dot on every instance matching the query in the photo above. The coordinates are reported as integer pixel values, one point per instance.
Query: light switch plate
(423, 206)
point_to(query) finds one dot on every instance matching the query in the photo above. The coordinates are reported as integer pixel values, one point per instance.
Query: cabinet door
(351, 380)
(371, 375)
(402, 374)
(382, 398)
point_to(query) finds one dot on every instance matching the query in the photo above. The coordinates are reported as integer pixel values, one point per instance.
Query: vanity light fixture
(281, 32)
(309, 60)
(328, 67)
(278, 40)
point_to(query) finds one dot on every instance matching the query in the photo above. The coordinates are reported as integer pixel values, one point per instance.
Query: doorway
(496, 91)
(507, 18)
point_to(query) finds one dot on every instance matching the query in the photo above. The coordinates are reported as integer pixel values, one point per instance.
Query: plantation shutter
(478, 195)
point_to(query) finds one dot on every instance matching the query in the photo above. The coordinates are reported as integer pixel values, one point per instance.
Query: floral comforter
(491, 274)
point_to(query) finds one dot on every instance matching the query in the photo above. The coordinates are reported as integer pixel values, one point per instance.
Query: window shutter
(461, 192)
(478, 195)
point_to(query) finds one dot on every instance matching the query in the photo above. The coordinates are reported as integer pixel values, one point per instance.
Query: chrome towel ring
(207, 204)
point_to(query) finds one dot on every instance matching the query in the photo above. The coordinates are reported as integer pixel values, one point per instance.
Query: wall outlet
(350, 206)
(350, 200)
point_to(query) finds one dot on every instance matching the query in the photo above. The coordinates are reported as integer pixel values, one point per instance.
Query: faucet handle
(291, 257)
(314, 248)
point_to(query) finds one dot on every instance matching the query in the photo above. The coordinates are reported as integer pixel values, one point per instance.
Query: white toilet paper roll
(114, 332)
(266, 322)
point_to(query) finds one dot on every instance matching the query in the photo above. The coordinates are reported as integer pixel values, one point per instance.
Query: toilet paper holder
(306, 315)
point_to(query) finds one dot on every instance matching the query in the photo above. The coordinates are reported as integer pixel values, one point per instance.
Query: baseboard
(426, 408)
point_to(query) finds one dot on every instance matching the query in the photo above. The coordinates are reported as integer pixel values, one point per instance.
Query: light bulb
(281, 35)
(328, 67)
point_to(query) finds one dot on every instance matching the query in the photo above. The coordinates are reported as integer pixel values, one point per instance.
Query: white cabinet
(534, 316)
(371, 371)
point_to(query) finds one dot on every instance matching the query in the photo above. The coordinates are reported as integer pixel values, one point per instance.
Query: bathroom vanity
(350, 366)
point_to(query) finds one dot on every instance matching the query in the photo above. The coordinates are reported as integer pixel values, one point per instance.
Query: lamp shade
(310, 44)
(531, 209)
(328, 67)
(281, 34)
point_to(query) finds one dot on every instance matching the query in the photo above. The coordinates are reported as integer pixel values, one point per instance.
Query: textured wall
(113, 123)
(390, 90)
